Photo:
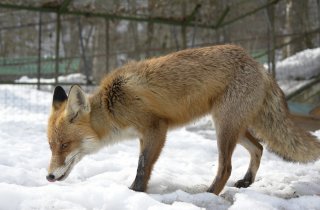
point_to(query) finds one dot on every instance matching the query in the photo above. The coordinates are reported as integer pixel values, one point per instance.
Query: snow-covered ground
(180, 178)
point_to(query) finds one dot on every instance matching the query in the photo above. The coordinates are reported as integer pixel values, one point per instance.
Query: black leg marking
(139, 183)
(245, 182)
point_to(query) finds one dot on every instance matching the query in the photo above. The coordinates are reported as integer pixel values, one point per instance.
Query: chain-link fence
(50, 42)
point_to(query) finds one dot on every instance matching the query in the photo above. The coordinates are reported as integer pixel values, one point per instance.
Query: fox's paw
(242, 183)
(210, 190)
(138, 187)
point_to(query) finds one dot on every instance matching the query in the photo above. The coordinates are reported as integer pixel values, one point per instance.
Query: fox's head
(69, 132)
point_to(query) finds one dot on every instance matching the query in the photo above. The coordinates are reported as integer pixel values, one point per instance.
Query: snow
(302, 65)
(123, 26)
(289, 86)
(184, 171)
(71, 78)
(180, 178)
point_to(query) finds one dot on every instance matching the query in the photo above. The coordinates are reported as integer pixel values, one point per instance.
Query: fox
(145, 99)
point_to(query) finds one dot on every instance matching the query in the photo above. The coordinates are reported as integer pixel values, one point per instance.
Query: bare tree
(297, 25)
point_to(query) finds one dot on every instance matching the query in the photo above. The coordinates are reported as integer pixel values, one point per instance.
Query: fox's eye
(64, 145)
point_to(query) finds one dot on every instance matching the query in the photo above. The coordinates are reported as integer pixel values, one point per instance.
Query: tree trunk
(183, 28)
(287, 50)
(150, 29)
(297, 25)
(99, 64)
(135, 33)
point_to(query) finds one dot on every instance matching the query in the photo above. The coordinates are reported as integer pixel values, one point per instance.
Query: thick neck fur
(104, 124)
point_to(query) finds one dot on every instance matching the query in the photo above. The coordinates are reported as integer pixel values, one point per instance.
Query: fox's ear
(78, 102)
(59, 96)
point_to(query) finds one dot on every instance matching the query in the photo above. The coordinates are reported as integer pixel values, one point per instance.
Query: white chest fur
(92, 145)
(118, 135)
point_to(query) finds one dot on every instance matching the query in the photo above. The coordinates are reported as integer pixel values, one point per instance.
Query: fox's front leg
(151, 145)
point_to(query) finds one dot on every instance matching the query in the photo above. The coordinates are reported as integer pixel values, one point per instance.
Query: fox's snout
(60, 173)
(51, 178)
(60, 167)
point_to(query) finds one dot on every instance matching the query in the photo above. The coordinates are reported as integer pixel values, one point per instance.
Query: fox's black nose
(51, 178)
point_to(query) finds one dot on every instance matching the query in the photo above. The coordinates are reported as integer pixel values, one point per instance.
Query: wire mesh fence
(47, 43)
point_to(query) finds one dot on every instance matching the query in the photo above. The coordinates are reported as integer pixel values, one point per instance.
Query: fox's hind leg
(255, 149)
(232, 113)
(227, 137)
(151, 145)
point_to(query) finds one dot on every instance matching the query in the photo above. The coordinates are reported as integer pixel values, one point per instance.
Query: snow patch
(71, 78)
(302, 65)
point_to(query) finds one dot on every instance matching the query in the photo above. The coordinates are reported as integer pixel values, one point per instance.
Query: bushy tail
(274, 127)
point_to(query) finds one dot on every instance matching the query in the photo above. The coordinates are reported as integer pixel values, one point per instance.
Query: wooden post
(83, 53)
(183, 26)
(58, 26)
(271, 11)
(318, 3)
(39, 51)
(269, 49)
(107, 25)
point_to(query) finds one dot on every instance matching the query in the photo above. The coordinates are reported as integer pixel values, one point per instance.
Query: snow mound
(303, 65)
(71, 78)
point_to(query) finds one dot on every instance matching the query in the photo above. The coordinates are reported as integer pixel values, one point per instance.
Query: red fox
(145, 99)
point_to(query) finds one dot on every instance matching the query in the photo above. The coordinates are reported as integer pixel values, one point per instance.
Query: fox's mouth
(66, 174)
(69, 166)
(52, 178)
(63, 177)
